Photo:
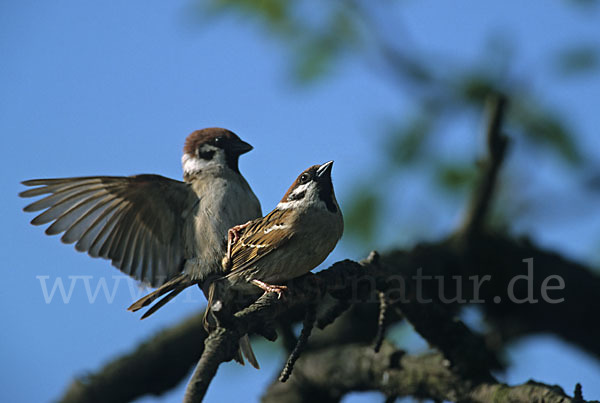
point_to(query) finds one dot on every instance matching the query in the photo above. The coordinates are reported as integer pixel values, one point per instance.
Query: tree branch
(496, 148)
(381, 321)
(324, 375)
(219, 346)
(307, 326)
(169, 356)
(154, 367)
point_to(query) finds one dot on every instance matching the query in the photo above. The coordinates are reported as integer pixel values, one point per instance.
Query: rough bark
(327, 375)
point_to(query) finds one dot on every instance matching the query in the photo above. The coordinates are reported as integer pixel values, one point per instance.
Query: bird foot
(233, 235)
(278, 289)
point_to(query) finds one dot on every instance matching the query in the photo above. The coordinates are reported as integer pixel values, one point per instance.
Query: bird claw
(233, 235)
(277, 289)
(235, 231)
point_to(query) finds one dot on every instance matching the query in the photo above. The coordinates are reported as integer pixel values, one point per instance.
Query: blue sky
(113, 88)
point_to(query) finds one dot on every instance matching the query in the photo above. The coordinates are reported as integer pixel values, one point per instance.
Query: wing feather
(88, 221)
(136, 221)
(74, 213)
(129, 247)
(260, 238)
(107, 229)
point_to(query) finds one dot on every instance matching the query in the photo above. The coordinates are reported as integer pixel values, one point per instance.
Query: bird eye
(304, 178)
(218, 140)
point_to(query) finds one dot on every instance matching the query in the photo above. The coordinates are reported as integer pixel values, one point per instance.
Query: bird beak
(325, 169)
(241, 147)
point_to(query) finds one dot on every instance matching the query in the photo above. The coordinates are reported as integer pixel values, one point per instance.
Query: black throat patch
(326, 194)
(232, 161)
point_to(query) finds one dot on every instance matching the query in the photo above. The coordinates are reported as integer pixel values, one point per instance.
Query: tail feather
(239, 357)
(163, 301)
(174, 286)
(246, 349)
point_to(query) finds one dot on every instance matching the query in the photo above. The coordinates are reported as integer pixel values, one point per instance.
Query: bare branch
(165, 359)
(218, 348)
(496, 149)
(465, 351)
(381, 322)
(324, 375)
(332, 312)
(307, 326)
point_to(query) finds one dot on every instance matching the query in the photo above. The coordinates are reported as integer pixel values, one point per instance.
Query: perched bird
(290, 241)
(166, 233)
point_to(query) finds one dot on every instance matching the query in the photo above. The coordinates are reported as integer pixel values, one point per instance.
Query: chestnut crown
(213, 144)
(314, 182)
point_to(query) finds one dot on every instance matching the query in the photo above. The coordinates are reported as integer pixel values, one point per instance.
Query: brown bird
(288, 242)
(166, 233)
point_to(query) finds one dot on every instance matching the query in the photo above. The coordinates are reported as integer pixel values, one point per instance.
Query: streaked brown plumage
(288, 242)
(292, 239)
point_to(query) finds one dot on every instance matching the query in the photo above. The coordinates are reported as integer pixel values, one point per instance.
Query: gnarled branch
(325, 376)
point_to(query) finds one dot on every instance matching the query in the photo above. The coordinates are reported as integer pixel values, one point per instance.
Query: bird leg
(235, 231)
(233, 235)
(278, 289)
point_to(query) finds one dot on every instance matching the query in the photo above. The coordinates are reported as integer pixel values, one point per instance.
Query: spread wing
(260, 238)
(135, 221)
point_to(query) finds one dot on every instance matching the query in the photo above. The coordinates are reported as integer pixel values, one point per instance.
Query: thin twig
(307, 326)
(496, 149)
(381, 322)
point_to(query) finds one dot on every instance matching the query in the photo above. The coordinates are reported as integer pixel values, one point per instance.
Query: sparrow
(166, 233)
(287, 243)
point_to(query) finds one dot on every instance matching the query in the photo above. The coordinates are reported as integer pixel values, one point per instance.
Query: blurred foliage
(582, 58)
(544, 127)
(361, 213)
(315, 42)
(318, 35)
(407, 142)
(453, 176)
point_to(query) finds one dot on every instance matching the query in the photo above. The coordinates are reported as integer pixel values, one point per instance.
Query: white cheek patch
(296, 193)
(287, 205)
(275, 227)
(192, 164)
(311, 197)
